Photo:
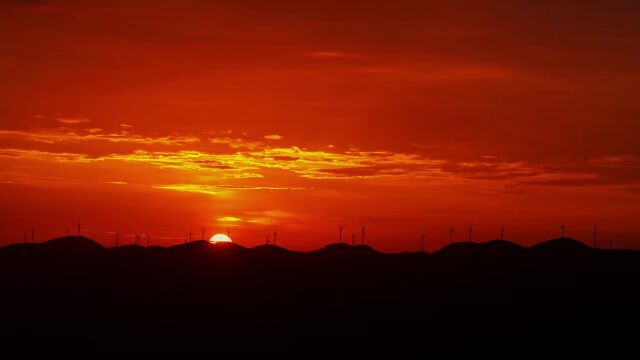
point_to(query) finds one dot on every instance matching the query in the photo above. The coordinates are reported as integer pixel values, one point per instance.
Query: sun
(220, 238)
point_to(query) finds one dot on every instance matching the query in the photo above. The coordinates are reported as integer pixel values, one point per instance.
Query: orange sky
(405, 116)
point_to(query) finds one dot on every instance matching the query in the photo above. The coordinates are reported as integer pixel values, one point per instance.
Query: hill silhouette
(345, 250)
(493, 247)
(483, 300)
(562, 245)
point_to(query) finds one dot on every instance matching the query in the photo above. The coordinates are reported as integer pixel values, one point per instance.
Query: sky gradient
(405, 116)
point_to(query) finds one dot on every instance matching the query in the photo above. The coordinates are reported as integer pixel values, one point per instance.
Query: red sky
(406, 116)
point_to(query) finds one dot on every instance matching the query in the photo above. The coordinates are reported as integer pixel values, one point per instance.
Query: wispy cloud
(273, 137)
(72, 120)
(96, 134)
(227, 219)
(217, 190)
(633, 190)
(193, 188)
(237, 143)
(271, 217)
(43, 155)
(256, 163)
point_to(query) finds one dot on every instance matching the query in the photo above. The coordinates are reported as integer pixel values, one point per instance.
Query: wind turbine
(117, 238)
(362, 236)
(353, 239)
(340, 227)
(78, 229)
(202, 233)
(562, 231)
(190, 234)
(595, 234)
(502, 232)
(470, 232)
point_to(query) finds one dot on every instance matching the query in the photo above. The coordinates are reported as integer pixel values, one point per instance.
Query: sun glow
(220, 238)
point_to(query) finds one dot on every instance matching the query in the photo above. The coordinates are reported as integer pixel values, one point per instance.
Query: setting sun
(220, 238)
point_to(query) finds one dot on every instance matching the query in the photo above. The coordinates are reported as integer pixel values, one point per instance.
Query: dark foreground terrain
(559, 299)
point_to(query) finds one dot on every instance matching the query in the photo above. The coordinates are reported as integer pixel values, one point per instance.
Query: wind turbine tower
(595, 234)
(340, 227)
(562, 231)
(362, 235)
(78, 229)
(117, 239)
(502, 232)
(470, 233)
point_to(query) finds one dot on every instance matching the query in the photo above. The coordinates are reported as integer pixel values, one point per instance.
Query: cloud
(241, 187)
(257, 162)
(72, 120)
(44, 155)
(231, 219)
(237, 143)
(217, 190)
(429, 72)
(94, 134)
(194, 188)
(273, 137)
(634, 190)
(250, 164)
(566, 179)
(270, 217)
(490, 168)
(337, 55)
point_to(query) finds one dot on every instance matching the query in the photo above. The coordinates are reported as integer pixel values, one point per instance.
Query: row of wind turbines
(452, 232)
(271, 238)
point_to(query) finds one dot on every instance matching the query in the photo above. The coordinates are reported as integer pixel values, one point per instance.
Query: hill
(481, 300)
